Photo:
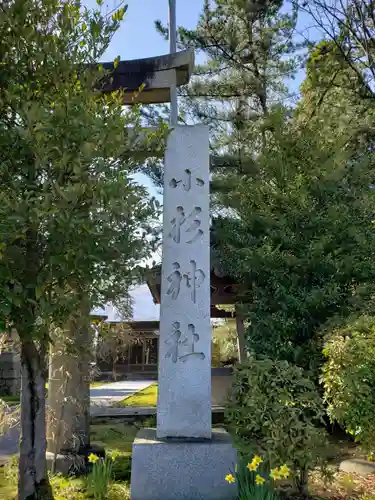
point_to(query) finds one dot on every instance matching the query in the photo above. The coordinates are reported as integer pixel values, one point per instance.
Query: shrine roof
(144, 326)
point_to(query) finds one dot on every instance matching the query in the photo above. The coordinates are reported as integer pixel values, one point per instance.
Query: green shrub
(121, 468)
(277, 413)
(348, 377)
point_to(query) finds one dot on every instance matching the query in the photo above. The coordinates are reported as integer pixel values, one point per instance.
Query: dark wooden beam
(155, 74)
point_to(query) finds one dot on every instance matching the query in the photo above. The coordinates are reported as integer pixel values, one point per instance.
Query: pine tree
(250, 52)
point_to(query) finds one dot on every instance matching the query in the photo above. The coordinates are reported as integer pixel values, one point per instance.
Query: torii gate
(156, 74)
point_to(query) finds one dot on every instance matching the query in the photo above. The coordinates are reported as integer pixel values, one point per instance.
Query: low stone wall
(221, 380)
(10, 374)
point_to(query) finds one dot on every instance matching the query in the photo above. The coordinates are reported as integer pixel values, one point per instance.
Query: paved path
(108, 394)
(100, 397)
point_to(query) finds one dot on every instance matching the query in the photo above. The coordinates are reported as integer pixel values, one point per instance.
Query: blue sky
(137, 36)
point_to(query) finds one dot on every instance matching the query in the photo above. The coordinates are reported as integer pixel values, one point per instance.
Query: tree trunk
(33, 481)
(114, 372)
(303, 482)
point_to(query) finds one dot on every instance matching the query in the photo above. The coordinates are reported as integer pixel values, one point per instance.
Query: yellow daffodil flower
(92, 458)
(257, 460)
(251, 466)
(259, 479)
(275, 474)
(284, 471)
(229, 478)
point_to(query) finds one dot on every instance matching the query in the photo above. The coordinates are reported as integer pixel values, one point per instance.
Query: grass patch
(146, 398)
(98, 384)
(8, 489)
(63, 488)
(117, 439)
(114, 437)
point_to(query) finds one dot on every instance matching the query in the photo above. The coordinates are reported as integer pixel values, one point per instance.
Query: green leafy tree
(71, 216)
(293, 223)
(349, 26)
(249, 55)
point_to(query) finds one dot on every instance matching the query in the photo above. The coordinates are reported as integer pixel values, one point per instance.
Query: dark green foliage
(332, 101)
(121, 468)
(292, 208)
(350, 25)
(302, 242)
(70, 213)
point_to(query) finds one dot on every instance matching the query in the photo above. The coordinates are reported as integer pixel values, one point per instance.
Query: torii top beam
(157, 74)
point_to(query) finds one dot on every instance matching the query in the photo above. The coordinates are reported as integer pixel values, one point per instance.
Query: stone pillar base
(67, 465)
(176, 469)
(73, 464)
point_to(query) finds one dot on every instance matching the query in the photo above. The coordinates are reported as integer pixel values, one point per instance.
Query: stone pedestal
(167, 469)
(358, 466)
(222, 380)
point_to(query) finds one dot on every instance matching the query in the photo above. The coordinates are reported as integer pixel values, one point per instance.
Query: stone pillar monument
(184, 459)
(184, 406)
